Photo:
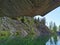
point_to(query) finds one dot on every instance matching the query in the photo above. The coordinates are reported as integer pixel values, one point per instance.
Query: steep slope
(24, 26)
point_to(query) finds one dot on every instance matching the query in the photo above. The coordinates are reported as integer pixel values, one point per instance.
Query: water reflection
(53, 41)
(44, 40)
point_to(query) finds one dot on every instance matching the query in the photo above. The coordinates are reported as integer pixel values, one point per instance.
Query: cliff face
(24, 26)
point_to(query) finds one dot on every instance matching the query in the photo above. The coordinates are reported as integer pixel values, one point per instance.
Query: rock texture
(27, 7)
(24, 26)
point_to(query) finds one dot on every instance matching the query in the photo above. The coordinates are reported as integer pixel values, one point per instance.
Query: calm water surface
(44, 40)
(53, 41)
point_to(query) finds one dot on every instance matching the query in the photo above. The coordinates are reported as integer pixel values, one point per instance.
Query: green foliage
(27, 24)
(26, 41)
(43, 21)
(50, 25)
(59, 27)
(53, 28)
(4, 34)
(18, 33)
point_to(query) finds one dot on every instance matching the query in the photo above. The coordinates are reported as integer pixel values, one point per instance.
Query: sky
(53, 16)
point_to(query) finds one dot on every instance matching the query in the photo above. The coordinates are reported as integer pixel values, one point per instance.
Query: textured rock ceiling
(16, 8)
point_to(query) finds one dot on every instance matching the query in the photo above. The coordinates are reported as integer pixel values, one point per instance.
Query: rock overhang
(16, 8)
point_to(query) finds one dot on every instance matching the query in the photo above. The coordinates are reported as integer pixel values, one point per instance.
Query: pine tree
(51, 25)
(43, 21)
(54, 27)
(59, 28)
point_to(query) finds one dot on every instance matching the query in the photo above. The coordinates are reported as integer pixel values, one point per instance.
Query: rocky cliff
(24, 26)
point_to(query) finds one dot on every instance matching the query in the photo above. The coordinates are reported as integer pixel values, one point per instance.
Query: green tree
(54, 27)
(59, 28)
(51, 25)
(43, 21)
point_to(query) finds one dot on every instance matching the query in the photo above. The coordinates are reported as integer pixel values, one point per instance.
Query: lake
(53, 41)
(42, 40)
